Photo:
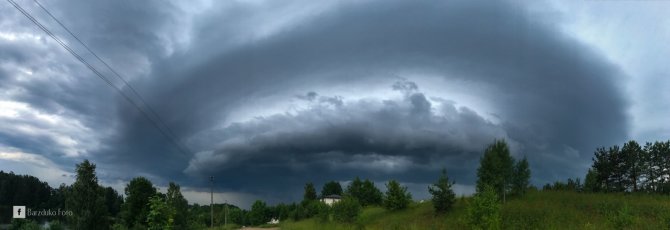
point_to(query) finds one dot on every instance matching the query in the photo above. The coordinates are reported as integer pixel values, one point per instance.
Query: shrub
(397, 197)
(311, 208)
(322, 211)
(24, 224)
(346, 210)
(621, 218)
(484, 210)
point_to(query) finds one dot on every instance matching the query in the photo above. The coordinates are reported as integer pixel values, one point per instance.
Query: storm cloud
(267, 96)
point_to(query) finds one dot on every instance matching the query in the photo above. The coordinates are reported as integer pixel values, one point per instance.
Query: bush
(484, 210)
(622, 218)
(397, 197)
(24, 224)
(346, 210)
(311, 208)
(322, 211)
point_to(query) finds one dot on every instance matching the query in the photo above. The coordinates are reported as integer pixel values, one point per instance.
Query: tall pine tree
(86, 200)
(443, 195)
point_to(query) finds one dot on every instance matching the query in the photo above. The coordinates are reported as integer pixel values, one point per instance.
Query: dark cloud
(555, 99)
(549, 90)
(369, 134)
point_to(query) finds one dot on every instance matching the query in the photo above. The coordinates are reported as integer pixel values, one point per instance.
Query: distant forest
(631, 168)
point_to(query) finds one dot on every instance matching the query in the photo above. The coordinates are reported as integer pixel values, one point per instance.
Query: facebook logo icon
(19, 212)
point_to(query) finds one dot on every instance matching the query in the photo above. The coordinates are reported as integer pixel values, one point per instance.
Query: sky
(269, 95)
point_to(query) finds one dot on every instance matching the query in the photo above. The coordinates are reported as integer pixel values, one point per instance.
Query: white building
(331, 199)
(274, 221)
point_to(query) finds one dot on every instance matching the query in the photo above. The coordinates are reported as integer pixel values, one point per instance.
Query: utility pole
(225, 222)
(211, 203)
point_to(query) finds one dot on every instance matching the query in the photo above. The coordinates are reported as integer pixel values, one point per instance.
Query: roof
(333, 196)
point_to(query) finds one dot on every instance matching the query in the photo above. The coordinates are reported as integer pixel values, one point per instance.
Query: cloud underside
(368, 134)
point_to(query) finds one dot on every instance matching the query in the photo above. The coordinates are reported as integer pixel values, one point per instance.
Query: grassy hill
(536, 210)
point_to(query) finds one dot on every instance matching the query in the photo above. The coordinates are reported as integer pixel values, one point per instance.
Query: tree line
(142, 206)
(627, 168)
(94, 206)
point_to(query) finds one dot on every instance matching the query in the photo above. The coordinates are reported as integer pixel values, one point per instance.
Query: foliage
(86, 200)
(591, 182)
(161, 215)
(331, 188)
(570, 185)
(443, 196)
(259, 213)
(311, 208)
(26, 190)
(521, 177)
(176, 201)
(113, 201)
(621, 218)
(136, 208)
(397, 197)
(484, 210)
(310, 192)
(535, 210)
(23, 224)
(321, 211)
(631, 168)
(496, 169)
(365, 192)
(346, 210)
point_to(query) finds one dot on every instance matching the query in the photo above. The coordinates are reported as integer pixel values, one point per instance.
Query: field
(536, 210)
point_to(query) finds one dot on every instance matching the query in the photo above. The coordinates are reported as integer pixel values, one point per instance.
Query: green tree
(370, 193)
(663, 169)
(282, 211)
(321, 211)
(484, 210)
(113, 201)
(657, 166)
(633, 164)
(591, 182)
(86, 200)
(136, 208)
(443, 195)
(258, 214)
(397, 197)
(521, 177)
(310, 192)
(160, 216)
(176, 201)
(346, 210)
(496, 168)
(365, 192)
(618, 178)
(331, 188)
(602, 169)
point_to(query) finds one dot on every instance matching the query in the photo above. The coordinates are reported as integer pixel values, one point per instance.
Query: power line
(132, 89)
(97, 73)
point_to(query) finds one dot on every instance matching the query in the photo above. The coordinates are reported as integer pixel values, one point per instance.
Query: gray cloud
(553, 97)
(369, 134)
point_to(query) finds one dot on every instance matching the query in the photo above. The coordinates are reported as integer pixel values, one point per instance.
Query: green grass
(536, 210)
